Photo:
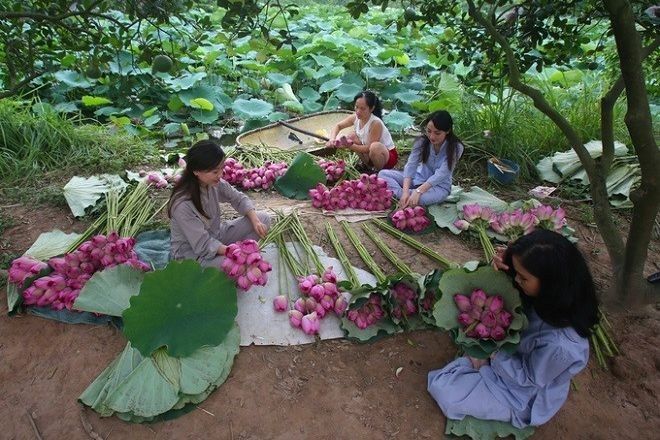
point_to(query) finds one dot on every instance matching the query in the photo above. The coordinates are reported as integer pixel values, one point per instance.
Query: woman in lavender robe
(197, 229)
(528, 387)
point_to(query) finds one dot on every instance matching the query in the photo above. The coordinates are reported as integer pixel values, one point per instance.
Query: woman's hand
(260, 228)
(331, 143)
(414, 199)
(222, 250)
(477, 363)
(498, 259)
(405, 196)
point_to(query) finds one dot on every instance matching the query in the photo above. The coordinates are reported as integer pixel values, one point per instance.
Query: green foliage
(32, 143)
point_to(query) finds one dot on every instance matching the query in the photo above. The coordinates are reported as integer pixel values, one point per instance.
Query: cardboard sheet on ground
(260, 324)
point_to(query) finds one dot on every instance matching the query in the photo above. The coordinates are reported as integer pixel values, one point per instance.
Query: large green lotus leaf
(14, 299)
(205, 116)
(309, 94)
(302, 175)
(331, 84)
(81, 193)
(381, 73)
(185, 81)
(483, 198)
(312, 106)
(445, 215)
(493, 282)
(181, 307)
(93, 101)
(407, 97)
(478, 429)
(398, 121)
(346, 92)
(214, 94)
(353, 78)
(110, 290)
(252, 109)
(50, 244)
(72, 79)
(279, 79)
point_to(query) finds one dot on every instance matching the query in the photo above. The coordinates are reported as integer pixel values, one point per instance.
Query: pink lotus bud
(252, 258)
(352, 315)
(497, 333)
(482, 331)
(317, 292)
(463, 225)
(478, 298)
(465, 319)
(17, 275)
(281, 303)
(471, 212)
(310, 323)
(504, 319)
(300, 305)
(99, 240)
(488, 319)
(243, 282)
(295, 318)
(361, 323)
(327, 302)
(340, 305)
(310, 304)
(494, 303)
(329, 275)
(107, 260)
(181, 162)
(462, 302)
(320, 311)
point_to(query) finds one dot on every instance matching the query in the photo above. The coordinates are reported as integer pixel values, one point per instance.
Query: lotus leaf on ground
(486, 429)
(492, 282)
(140, 389)
(109, 291)
(182, 307)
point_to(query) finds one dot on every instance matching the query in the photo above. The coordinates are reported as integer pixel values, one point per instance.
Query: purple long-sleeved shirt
(435, 171)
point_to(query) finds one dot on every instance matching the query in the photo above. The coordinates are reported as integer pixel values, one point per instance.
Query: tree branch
(12, 91)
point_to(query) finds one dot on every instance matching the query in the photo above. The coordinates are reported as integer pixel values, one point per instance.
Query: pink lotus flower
(497, 333)
(462, 302)
(317, 292)
(295, 318)
(310, 323)
(504, 319)
(488, 319)
(281, 303)
(478, 298)
(494, 303)
(300, 305)
(482, 331)
(340, 305)
(465, 319)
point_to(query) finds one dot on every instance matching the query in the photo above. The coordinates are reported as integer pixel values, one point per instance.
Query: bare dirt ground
(327, 390)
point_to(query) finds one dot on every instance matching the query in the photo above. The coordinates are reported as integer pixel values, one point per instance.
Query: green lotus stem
(599, 355)
(291, 262)
(303, 238)
(363, 252)
(489, 249)
(603, 318)
(343, 258)
(112, 207)
(600, 334)
(282, 224)
(407, 239)
(394, 259)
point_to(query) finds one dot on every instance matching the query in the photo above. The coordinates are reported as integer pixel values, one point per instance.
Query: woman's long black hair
(442, 120)
(372, 101)
(567, 296)
(203, 156)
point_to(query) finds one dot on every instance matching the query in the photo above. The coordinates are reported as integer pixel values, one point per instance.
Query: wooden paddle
(300, 130)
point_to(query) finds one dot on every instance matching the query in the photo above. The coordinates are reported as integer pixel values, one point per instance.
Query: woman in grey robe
(197, 228)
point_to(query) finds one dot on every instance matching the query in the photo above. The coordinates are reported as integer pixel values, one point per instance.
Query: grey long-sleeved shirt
(195, 236)
(436, 169)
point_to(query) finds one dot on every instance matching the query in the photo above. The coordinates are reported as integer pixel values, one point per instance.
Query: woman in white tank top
(371, 139)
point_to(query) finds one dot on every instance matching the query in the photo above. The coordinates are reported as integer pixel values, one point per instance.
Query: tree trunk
(646, 199)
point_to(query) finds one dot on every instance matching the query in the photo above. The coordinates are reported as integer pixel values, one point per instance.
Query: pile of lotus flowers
(320, 297)
(333, 170)
(369, 313)
(162, 180)
(262, 177)
(483, 316)
(244, 264)
(549, 218)
(61, 287)
(411, 218)
(157, 180)
(405, 300)
(368, 192)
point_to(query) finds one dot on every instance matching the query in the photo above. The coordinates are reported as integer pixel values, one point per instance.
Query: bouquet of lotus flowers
(244, 264)
(342, 141)
(513, 224)
(481, 310)
(59, 288)
(404, 300)
(368, 313)
(411, 218)
(483, 316)
(368, 192)
(478, 218)
(333, 170)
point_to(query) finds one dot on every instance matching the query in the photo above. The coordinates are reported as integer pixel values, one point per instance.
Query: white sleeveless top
(363, 132)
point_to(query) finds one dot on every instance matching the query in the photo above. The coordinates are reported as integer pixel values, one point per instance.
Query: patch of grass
(32, 145)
